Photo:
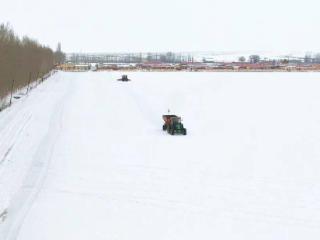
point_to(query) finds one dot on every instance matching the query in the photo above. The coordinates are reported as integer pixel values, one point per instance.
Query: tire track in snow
(3, 215)
(12, 125)
(11, 137)
(36, 176)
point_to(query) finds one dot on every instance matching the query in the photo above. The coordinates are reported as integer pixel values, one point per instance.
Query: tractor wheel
(164, 127)
(185, 132)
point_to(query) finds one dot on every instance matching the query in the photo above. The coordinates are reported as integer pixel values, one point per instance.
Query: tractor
(173, 125)
(124, 78)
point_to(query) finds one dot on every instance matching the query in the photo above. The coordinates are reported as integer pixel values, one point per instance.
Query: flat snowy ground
(83, 156)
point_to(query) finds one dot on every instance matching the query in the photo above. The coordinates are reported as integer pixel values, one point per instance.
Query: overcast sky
(162, 25)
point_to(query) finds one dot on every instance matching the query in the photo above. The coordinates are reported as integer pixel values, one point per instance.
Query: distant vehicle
(173, 125)
(124, 78)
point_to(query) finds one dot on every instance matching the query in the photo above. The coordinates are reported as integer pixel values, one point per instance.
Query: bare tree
(254, 58)
(242, 59)
(21, 60)
(308, 58)
(59, 55)
(317, 58)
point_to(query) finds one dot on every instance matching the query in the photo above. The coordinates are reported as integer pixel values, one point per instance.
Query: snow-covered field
(83, 156)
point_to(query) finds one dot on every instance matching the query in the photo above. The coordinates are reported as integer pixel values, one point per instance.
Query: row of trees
(168, 57)
(309, 58)
(251, 59)
(23, 61)
(312, 58)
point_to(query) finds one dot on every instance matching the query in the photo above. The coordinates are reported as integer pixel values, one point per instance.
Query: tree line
(308, 58)
(23, 60)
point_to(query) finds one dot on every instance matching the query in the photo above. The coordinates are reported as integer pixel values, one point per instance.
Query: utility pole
(12, 85)
(37, 82)
(29, 82)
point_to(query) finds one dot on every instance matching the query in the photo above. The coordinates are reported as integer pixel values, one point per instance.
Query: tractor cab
(124, 78)
(173, 125)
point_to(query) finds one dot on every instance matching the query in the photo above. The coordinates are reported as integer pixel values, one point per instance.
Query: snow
(83, 156)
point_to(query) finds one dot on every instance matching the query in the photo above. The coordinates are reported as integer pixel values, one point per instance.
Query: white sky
(177, 25)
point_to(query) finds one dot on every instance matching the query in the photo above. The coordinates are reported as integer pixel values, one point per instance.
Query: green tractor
(124, 78)
(173, 125)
